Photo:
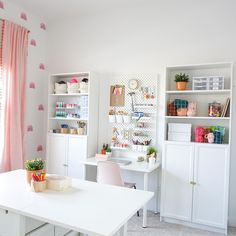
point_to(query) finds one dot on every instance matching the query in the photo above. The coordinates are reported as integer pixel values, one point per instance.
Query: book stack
(226, 109)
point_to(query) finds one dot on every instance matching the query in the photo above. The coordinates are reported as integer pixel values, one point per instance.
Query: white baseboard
(232, 221)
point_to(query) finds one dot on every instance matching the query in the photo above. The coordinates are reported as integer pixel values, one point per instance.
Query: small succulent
(35, 164)
(181, 77)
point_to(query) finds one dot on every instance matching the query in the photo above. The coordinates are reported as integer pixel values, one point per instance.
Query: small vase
(181, 85)
(29, 174)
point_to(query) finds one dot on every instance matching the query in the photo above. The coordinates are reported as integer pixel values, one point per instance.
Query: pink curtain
(14, 63)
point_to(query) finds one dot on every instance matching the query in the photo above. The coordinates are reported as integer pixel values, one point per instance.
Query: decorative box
(58, 183)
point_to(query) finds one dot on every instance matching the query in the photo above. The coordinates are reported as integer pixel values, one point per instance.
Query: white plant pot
(108, 154)
(112, 118)
(145, 148)
(127, 119)
(119, 118)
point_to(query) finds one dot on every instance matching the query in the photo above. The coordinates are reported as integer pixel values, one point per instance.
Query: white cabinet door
(57, 148)
(176, 177)
(11, 224)
(77, 151)
(211, 174)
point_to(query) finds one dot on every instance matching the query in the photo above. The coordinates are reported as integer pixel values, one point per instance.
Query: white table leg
(145, 188)
(123, 230)
(157, 191)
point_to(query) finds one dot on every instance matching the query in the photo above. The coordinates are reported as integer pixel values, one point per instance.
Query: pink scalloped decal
(33, 42)
(43, 26)
(32, 85)
(1, 5)
(40, 148)
(23, 16)
(41, 66)
(41, 107)
(30, 128)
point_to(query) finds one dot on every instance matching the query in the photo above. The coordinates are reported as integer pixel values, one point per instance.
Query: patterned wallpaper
(36, 78)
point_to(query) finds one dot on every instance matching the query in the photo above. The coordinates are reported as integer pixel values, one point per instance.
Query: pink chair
(109, 173)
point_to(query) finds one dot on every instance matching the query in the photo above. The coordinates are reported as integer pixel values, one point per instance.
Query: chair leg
(137, 211)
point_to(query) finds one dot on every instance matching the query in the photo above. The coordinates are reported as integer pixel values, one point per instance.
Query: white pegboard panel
(145, 96)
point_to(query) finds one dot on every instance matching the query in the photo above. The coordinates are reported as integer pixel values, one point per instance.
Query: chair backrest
(109, 173)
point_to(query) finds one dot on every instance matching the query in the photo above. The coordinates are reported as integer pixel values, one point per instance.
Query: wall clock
(133, 84)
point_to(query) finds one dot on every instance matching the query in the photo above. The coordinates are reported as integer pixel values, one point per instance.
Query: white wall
(144, 38)
(35, 97)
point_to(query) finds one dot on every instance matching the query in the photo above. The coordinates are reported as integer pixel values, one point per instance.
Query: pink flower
(23, 16)
(41, 66)
(1, 5)
(43, 26)
(33, 42)
(40, 148)
(41, 107)
(30, 128)
(32, 85)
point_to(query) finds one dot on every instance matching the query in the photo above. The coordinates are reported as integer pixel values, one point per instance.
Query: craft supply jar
(38, 186)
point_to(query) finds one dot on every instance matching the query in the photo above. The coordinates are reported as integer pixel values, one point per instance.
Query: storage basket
(72, 87)
(83, 87)
(60, 88)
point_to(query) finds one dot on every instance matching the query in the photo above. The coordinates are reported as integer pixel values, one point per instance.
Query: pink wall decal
(23, 16)
(43, 26)
(40, 148)
(30, 128)
(33, 42)
(32, 85)
(1, 5)
(41, 107)
(41, 66)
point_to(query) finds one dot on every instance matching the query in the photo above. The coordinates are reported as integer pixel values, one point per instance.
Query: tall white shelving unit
(66, 151)
(196, 175)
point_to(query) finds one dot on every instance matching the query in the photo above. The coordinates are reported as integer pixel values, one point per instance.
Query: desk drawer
(45, 230)
(59, 231)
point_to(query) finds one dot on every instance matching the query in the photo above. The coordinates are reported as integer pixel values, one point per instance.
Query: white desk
(142, 167)
(88, 207)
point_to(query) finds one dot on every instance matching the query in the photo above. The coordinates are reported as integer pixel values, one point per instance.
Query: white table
(142, 167)
(88, 207)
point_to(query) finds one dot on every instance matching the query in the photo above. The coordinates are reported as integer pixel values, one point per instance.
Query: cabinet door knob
(193, 183)
(65, 165)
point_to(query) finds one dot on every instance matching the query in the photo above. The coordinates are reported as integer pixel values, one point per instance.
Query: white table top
(88, 207)
(134, 166)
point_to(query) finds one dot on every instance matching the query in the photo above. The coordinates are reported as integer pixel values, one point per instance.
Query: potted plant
(33, 166)
(104, 149)
(108, 152)
(81, 127)
(181, 81)
(112, 116)
(151, 152)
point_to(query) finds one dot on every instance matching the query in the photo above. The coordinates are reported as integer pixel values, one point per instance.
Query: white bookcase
(65, 151)
(195, 176)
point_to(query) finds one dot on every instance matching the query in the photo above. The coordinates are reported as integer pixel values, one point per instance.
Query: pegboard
(145, 101)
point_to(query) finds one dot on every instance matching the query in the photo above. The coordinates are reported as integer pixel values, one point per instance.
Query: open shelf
(223, 91)
(69, 94)
(197, 117)
(65, 118)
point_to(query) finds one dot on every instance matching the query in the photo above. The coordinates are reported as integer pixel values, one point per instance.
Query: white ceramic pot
(127, 119)
(112, 118)
(119, 118)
